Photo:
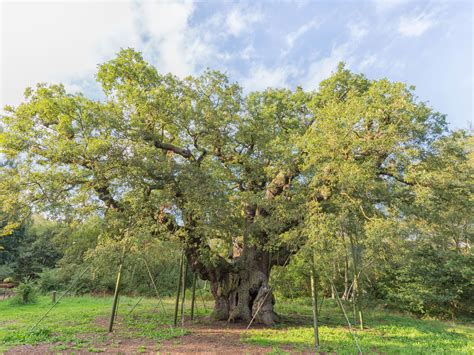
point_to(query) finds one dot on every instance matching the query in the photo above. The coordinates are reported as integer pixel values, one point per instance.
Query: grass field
(80, 324)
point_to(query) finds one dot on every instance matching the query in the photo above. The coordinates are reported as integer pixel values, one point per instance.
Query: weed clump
(26, 293)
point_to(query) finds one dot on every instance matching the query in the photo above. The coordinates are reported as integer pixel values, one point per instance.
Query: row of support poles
(316, 312)
(184, 291)
(181, 292)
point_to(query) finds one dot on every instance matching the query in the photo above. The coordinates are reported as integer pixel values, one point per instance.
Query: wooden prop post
(176, 306)
(154, 286)
(116, 293)
(345, 316)
(314, 298)
(184, 292)
(59, 299)
(202, 296)
(193, 295)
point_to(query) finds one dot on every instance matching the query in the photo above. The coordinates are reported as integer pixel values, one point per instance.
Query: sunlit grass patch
(79, 323)
(384, 333)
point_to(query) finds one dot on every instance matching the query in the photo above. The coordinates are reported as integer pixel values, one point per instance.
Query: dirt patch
(212, 338)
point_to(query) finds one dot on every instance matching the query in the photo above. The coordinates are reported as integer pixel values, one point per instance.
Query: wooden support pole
(59, 299)
(117, 308)
(193, 295)
(314, 298)
(134, 306)
(53, 299)
(202, 296)
(345, 316)
(116, 293)
(184, 292)
(178, 290)
(154, 286)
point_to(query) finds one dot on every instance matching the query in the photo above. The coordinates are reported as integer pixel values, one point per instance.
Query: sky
(260, 44)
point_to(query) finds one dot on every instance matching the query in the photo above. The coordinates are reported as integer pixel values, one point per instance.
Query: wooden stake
(134, 306)
(54, 297)
(184, 292)
(193, 295)
(345, 316)
(202, 296)
(154, 286)
(116, 293)
(314, 298)
(59, 299)
(176, 306)
(117, 308)
(356, 289)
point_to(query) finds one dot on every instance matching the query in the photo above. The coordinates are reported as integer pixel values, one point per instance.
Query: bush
(26, 293)
(8, 280)
(6, 271)
(49, 280)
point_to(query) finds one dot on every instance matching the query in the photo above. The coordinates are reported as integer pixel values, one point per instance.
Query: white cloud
(388, 5)
(357, 30)
(239, 20)
(261, 77)
(172, 42)
(413, 26)
(58, 41)
(64, 42)
(248, 52)
(367, 62)
(322, 68)
(292, 37)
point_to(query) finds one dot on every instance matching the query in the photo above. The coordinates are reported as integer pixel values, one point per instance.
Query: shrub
(6, 271)
(8, 280)
(26, 292)
(49, 280)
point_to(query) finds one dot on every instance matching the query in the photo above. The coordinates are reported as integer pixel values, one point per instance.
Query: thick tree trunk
(240, 295)
(240, 285)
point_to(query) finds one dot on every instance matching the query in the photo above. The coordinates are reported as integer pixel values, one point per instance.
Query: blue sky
(269, 43)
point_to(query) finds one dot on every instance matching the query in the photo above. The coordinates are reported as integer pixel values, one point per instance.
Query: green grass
(72, 322)
(385, 333)
(80, 324)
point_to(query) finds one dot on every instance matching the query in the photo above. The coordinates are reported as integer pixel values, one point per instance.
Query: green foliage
(36, 336)
(431, 282)
(50, 280)
(29, 249)
(9, 280)
(6, 272)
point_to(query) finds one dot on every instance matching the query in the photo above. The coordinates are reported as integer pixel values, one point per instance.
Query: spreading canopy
(231, 175)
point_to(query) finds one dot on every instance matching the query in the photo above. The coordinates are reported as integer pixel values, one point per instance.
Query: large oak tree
(231, 175)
